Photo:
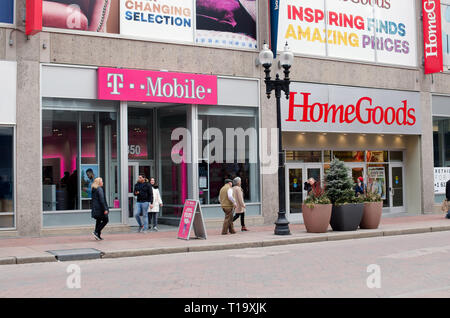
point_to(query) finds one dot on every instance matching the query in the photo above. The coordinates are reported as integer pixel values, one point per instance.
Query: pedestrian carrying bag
(444, 206)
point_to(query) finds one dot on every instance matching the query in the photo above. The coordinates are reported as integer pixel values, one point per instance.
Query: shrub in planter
(347, 209)
(373, 208)
(317, 210)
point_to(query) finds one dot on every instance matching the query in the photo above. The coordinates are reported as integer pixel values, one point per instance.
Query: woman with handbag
(100, 208)
(154, 208)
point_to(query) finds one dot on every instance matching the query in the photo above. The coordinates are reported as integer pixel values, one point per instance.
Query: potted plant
(373, 208)
(317, 210)
(347, 209)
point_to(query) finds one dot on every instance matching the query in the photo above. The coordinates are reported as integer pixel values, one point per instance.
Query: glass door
(133, 173)
(296, 176)
(396, 188)
(357, 170)
(294, 193)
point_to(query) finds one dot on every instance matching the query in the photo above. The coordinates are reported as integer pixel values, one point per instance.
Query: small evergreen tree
(339, 185)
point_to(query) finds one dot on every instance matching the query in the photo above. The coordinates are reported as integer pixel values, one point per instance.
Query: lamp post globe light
(278, 85)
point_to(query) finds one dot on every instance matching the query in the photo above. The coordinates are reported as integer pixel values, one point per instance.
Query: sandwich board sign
(192, 217)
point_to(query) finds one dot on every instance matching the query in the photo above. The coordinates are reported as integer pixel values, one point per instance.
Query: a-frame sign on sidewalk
(192, 217)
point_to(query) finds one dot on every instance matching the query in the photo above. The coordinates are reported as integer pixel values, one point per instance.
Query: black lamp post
(278, 85)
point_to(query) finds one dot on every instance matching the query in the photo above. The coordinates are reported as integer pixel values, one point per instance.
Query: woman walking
(154, 208)
(100, 208)
(238, 195)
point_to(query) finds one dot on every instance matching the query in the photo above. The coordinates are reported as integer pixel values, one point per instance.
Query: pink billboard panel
(153, 86)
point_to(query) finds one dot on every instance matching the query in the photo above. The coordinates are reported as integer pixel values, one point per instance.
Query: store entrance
(396, 188)
(134, 170)
(295, 176)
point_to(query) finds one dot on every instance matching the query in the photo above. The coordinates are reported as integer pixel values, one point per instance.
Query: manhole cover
(76, 254)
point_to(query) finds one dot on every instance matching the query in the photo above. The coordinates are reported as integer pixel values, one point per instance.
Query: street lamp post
(278, 85)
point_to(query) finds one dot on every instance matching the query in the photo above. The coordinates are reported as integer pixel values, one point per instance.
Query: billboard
(162, 20)
(371, 31)
(228, 23)
(225, 23)
(7, 12)
(81, 15)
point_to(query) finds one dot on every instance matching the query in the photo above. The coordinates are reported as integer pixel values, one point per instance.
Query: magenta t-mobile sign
(152, 86)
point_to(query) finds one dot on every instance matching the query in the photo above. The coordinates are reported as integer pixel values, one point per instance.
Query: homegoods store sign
(330, 108)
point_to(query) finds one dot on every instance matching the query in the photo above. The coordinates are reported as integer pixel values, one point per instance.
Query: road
(396, 266)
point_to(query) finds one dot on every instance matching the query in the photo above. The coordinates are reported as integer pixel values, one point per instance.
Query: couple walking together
(231, 198)
(148, 201)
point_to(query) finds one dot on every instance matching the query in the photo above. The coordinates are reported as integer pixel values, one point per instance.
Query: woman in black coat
(100, 208)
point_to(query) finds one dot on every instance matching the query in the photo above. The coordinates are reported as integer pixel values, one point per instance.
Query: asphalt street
(396, 266)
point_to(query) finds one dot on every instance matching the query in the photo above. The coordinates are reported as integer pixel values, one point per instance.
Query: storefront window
(377, 156)
(304, 156)
(230, 149)
(6, 178)
(349, 156)
(173, 176)
(378, 181)
(396, 156)
(140, 134)
(77, 147)
(441, 147)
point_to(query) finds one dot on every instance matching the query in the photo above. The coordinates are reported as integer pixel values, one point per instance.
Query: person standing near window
(100, 208)
(157, 202)
(144, 198)
(238, 194)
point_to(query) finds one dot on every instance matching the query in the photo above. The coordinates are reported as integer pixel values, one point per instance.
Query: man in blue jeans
(144, 198)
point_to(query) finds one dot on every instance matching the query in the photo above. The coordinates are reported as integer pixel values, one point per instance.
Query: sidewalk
(34, 250)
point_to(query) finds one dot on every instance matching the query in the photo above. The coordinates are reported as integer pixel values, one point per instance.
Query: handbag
(444, 206)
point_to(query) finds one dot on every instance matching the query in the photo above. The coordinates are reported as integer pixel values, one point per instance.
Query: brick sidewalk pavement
(30, 250)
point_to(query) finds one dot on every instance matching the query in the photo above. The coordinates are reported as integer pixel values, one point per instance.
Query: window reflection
(78, 147)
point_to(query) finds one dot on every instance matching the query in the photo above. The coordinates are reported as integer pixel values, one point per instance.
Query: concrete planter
(371, 215)
(317, 219)
(346, 217)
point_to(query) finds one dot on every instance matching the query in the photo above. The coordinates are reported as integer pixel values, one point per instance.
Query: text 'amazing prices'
(330, 108)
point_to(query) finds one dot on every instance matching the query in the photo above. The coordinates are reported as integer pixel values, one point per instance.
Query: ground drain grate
(77, 254)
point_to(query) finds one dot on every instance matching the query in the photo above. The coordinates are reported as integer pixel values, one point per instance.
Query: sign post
(192, 217)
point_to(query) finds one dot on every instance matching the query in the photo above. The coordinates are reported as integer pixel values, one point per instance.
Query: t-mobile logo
(115, 84)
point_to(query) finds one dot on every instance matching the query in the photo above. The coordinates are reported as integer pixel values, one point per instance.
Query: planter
(317, 219)
(372, 215)
(346, 217)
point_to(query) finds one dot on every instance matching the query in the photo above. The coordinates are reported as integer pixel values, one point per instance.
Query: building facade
(69, 111)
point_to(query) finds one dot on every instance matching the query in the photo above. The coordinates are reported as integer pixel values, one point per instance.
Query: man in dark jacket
(144, 198)
(447, 195)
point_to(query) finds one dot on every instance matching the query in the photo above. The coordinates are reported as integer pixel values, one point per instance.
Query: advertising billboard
(225, 23)
(372, 31)
(7, 12)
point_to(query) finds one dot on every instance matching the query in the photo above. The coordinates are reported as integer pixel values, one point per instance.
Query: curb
(330, 236)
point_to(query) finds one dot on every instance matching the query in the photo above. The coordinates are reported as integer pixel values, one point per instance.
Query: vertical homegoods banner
(432, 36)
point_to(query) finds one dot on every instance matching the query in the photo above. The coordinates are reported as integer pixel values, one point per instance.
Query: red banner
(33, 22)
(432, 36)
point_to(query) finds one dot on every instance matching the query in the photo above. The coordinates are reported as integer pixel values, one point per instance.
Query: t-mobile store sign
(151, 86)
(329, 108)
